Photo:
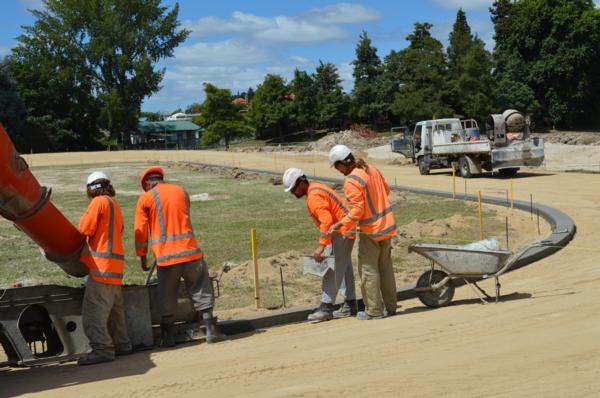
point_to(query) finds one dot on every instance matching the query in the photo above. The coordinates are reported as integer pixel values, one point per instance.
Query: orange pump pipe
(27, 204)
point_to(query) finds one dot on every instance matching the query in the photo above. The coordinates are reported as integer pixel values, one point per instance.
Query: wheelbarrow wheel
(438, 297)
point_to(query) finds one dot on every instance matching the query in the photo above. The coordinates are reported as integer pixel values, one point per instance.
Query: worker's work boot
(347, 309)
(167, 335)
(213, 334)
(323, 313)
(93, 358)
(124, 350)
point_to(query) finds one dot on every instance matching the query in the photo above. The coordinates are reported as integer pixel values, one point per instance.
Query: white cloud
(465, 4)
(238, 23)
(290, 30)
(315, 25)
(4, 51)
(230, 52)
(345, 71)
(237, 52)
(342, 13)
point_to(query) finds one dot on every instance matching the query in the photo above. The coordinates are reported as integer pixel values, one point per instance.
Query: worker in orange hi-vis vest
(163, 210)
(326, 207)
(367, 193)
(102, 312)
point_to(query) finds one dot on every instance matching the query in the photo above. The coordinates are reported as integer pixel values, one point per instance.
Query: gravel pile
(349, 138)
(571, 138)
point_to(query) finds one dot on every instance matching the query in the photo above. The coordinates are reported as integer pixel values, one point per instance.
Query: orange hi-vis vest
(165, 209)
(367, 194)
(326, 208)
(103, 254)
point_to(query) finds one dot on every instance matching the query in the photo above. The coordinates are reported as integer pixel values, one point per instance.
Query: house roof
(167, 126)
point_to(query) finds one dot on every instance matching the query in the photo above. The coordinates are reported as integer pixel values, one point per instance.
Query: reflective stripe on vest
(375, 216)
(380, 233)
(333, 197)
(111, 227)
(178, 255)
(169, 238)
(161, 222)
(340, 204)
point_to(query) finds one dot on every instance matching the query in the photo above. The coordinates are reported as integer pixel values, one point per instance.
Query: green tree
(470, 88)
(152, 116)
(474, 86)
(367, 69)
(303, 108)
(500, 12)
(549, 52)
(461, 41)
(220, 117)
(422, 78)
(389, 84)
(86, 65)
(270, 108)
(331, 105)
(12, 107)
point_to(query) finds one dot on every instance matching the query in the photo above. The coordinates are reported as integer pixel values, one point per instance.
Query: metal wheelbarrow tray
(435, 288)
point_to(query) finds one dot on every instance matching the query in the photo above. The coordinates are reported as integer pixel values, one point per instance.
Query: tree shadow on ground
(19, 381)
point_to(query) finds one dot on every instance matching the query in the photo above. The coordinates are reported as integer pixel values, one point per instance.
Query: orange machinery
(27, 204)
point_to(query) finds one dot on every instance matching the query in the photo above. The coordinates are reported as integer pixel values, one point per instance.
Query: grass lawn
(224, 210)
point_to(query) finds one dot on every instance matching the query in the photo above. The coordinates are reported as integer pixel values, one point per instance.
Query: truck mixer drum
(27, 204)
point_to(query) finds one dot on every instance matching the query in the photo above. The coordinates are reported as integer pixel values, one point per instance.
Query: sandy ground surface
(541, 341)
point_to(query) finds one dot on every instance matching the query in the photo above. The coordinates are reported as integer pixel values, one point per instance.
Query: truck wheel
(508, 172)
(463, 167)
(423, 166)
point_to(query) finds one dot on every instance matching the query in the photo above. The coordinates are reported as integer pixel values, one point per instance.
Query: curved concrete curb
(563, 230)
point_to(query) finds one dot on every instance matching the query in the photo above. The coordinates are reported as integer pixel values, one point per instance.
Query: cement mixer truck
(446, 143)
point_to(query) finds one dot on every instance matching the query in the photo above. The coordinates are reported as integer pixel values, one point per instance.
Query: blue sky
(234, 44)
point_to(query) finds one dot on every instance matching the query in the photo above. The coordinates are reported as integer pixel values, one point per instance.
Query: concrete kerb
(563, 230)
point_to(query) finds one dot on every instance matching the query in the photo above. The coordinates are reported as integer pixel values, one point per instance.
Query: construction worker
(165, 210)
(367, 193)
(326, 207)
(102, 313)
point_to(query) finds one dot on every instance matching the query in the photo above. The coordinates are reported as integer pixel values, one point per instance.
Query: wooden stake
(510, 188)
(480, 214)
(453, 182)
(531, 205)
(465, 189)
(282, 288)
(255, 261)
(507, 246)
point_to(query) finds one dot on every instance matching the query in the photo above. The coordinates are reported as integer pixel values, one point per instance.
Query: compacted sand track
(541, 341)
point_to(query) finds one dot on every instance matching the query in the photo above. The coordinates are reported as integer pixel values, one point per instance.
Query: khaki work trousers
(197, 282)
(377, 281)
(103, 318)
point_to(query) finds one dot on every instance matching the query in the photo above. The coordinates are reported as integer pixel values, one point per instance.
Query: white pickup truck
(447, 143)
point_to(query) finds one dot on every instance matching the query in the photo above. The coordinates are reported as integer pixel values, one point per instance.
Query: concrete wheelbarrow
(478, 260)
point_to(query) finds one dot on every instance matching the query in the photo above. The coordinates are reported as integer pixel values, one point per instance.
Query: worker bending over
(367, 192)
(102, 312)
(326, 207)
(165, 210)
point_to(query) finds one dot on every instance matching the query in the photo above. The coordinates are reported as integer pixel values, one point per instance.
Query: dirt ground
(540, 341)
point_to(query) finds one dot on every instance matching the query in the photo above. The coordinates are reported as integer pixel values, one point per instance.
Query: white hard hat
(337, 153)
(290, 177)
(95, 176)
